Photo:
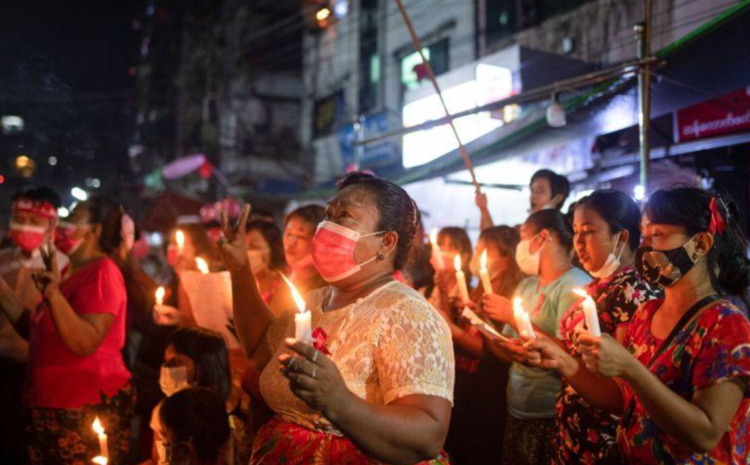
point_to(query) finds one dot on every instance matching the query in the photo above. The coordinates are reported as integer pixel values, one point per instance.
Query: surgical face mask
(528, 262)
(333, 251)
(665, 267)
(27, 237)
(173, 380)
(258, 260)
(65, 240)
(613, 261)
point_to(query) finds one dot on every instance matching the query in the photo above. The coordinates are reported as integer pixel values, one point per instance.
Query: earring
(380, 257)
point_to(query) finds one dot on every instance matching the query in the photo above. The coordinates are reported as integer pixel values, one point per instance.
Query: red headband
(718, 224)
(43, 209)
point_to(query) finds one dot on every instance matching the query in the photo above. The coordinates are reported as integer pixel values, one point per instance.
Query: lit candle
(303, 318)
(99, 460)
(523, 321)
(484, 274)
(99, 430)
(160, 295)
(179, 237)
(589, 312)
(437, 255)
(461, 278)
(202, 265)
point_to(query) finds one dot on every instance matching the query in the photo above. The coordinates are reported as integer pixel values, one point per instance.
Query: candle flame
(99, 460)
(580, 292)
(179, 237)
(434, 236)
(518, 304)
(160, 295)
(202, 265)
(457, 262)
(98, 428)
(483, 260)
(296, 295)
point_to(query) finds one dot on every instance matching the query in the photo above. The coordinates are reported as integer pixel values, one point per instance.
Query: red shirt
(58, 378)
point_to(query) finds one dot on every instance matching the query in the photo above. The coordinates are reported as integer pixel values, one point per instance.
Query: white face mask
(173, 380)
(613, 262)
(257, 260)
(528, 262)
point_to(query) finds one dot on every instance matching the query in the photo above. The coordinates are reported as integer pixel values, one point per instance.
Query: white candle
(589, 313)
(179, 237)
(99, 460)
(484, 274)
(523, 321)
(303, 318)
(99, 430)
(160, 295)
(437, 255)
(461, 278)
(202, 265)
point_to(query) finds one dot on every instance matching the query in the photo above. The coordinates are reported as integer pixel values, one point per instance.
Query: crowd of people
(597, 331)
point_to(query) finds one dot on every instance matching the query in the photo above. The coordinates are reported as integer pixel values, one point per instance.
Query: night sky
(65, 67)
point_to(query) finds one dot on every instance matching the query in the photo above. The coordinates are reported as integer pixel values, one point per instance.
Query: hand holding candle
(523, 321)
(589, 312)
(437, 255)
(303, 318)
(461, 278)
(103, 447)
(484, 274)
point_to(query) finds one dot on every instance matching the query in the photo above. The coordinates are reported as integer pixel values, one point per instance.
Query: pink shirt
(58, 378)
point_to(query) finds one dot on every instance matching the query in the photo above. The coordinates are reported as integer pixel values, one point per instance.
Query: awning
(711, 61)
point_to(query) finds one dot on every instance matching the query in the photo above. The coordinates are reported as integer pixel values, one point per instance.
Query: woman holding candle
(606, 235)
(478, 420)
(543, 254)
(76, 370)
(454, 246)
(679, 382)
(349, 399)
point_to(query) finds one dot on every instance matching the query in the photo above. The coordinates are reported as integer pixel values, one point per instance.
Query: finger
(242, 221)
(306, 350)
(54, 267)
(225, 224)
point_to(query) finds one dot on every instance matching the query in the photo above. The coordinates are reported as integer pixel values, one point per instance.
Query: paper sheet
(482, 326)
(210, 297)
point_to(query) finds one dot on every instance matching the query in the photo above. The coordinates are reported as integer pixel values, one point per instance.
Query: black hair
(689, 207)
(555, 222)
(272, 234)
(460, 241)
(197, 415)
(38, 194)
(618, 210)
(559, 184)
(505, 238)
(397, 211)
(209, 352)
(107, 213)
(311, 214)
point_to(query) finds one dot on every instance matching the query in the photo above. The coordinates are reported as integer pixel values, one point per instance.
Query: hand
(497, 307)
(233, 246)
(547, 354)
(48, 281)
(481, 200)
(605, 356)
(165, 315)
(445, 280)
(314, 378)
(513, 349)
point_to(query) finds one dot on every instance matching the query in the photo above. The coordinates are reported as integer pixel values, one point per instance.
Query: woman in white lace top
(377, 384)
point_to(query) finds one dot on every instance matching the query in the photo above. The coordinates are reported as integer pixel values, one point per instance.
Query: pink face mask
(27, 237)
(333, 251)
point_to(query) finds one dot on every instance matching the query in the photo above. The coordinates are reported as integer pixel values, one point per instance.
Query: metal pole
(643, 35)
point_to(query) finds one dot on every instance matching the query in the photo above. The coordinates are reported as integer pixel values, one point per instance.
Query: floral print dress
(713, 349)
(584, 432)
